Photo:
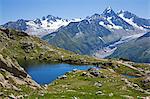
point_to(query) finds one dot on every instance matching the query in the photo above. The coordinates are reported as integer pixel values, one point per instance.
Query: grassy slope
(82, 87)
(41, 51)
(75, 85)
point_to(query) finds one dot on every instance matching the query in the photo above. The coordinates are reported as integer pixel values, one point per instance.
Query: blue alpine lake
(46, 73)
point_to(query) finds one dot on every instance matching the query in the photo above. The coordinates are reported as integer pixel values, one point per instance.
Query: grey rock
(94, 72)
(12, 96)
(98, 84)
(12, 72)
(62, 77)
(74, 70)
(1, 93)
(146, 80)
(99, 92)
(111, 94)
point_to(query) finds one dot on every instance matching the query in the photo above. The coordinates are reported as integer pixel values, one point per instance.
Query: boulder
(98, 92)
(74, 70)
(95, 73)
(62, 77)
(92, 72)
(98, 84)
(12, 74)
(12, 96)
(86, 74)
(146, 80)
(1, 93)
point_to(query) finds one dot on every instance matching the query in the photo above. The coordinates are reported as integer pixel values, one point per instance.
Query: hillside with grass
(23, 47)
(107, 79)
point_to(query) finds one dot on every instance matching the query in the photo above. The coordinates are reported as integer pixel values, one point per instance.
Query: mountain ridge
(92, 35)
(50, 23)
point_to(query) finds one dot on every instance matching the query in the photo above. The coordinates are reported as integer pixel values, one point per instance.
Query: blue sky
(11, 10)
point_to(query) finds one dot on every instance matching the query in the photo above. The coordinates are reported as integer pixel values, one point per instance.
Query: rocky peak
(21, 21)
(126, 14)
(52, 18)
(120, 12)
(37, 21)
(108, 12)
(95, 16)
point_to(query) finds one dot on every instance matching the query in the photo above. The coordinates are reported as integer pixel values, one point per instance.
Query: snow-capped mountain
(50, 22)
(99, 35)
(127, 19)
(123, 20)
(134, 20)
(112, 21)
(40, 27)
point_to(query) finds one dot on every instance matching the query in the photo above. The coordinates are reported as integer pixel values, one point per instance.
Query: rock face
(146, 82)
(27, 46)
(11, 74)
(94, 72)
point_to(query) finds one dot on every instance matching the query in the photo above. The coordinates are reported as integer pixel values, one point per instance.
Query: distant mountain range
(39, 27)
(110, 34)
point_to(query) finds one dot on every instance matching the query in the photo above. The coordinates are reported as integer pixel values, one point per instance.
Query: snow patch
(101, 39)
(130, 21)
(111, 25)
(109, 9)
(54, 25)
(47, 27)
(105, 52)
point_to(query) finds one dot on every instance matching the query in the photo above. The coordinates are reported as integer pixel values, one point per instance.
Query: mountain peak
(51, 17)
(95, 16)
(126, 14)
(109, 8)
(121, 11)
(37, 21)
(108, 12)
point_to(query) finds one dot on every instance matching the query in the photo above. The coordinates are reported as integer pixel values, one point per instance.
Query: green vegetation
(111, 81)
(109, 85)
(22, 47)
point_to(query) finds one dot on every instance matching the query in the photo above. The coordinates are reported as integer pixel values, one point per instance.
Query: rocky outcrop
(12, 75)
(27, 46)
(146, 83)
(134, 86)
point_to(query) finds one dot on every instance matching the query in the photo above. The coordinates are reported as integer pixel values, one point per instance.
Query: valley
(109, 50)
(102, 56)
